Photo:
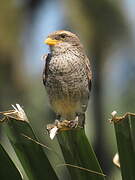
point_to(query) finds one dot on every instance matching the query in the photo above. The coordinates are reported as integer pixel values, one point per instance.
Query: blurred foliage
(11, 22)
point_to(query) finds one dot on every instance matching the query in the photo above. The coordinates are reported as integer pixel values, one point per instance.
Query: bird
(67, 77)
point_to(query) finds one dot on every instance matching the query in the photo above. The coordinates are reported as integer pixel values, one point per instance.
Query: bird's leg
(81, 119)
(55, 124)
(73, 123)
(57, 120)
(78, 122)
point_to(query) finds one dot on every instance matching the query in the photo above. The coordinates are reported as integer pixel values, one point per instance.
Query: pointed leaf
(31, 154)
(124, 127)
(78, 152)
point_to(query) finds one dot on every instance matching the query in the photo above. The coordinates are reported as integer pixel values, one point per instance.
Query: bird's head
(62, 41)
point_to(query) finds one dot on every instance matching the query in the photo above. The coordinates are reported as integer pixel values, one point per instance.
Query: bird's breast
(64, 63)
(66, 107)
(67, 85)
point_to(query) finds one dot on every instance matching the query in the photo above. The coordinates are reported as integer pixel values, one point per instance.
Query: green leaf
(78, 152)
(124, 129)
(30, 154)
(7, 167)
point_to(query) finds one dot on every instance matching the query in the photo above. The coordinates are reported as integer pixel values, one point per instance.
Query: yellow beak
(51, 42)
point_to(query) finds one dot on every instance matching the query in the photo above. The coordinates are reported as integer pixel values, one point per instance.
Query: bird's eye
(63, 36)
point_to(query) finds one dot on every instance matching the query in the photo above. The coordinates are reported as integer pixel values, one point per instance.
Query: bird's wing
(47, 59)
(89, 72)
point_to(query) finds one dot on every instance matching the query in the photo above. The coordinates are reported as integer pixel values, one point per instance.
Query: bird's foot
(57, 124)
(73, 123)
(64, 125)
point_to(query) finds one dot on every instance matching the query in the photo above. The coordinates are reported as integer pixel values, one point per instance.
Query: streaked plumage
(67, 75)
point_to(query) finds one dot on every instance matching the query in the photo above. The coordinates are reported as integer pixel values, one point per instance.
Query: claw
(73, 123)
